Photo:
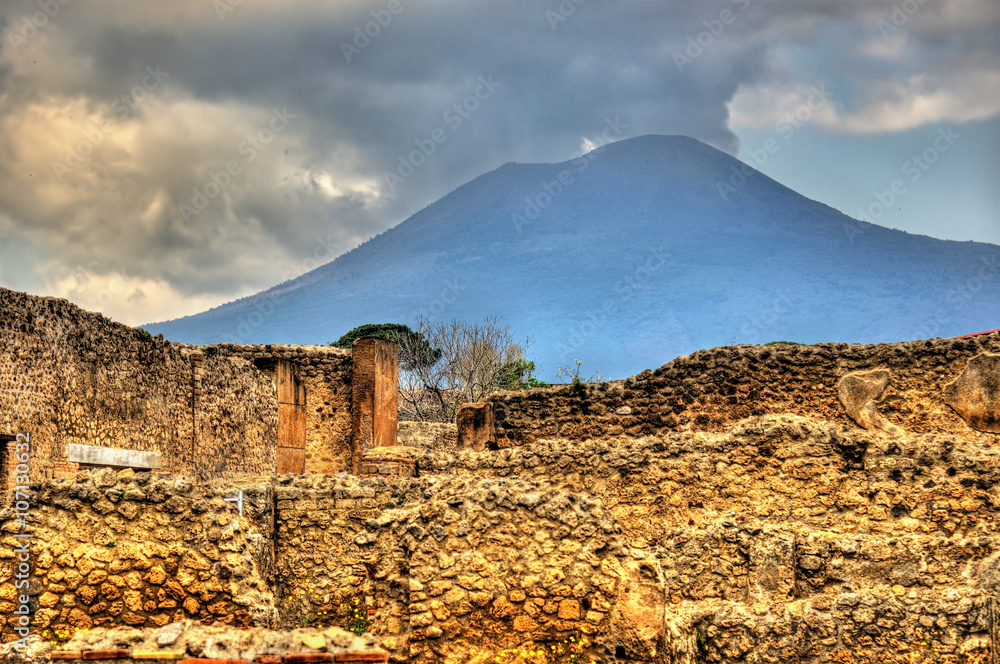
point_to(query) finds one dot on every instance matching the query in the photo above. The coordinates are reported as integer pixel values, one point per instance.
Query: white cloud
(923, 99)
(887, 106)
(126, 299)
(768, 105)
(877, 48)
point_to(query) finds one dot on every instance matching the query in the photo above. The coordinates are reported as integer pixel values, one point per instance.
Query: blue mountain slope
(633, 258)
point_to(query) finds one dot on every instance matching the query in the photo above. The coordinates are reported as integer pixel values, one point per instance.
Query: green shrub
(518, 375)
(417, 353)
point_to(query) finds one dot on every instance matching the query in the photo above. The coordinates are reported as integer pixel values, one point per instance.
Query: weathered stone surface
(439, 436)
(771, 559)
(168, 634)
(636, 624)
(713, 389)
(92, 569)
(112, 456)
(782, 537)
(223, 642)
(975, 394)
(71, 377)
(782, 533)
(475, 426)
(858, 392)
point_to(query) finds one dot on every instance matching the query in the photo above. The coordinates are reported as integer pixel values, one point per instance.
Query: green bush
(518, 375)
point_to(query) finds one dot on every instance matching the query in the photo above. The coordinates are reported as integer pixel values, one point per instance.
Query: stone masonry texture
(713, 389)
(71, 376)
(785, 538)
(725, 508)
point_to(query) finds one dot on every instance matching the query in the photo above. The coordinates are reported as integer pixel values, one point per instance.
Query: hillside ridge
(624, 258)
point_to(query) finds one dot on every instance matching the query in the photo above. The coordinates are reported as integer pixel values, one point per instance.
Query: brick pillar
(291, 420)
(375, 398)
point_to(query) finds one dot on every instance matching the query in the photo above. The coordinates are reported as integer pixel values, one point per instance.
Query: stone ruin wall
(71, 376)
(705, 536)
(460, 566)
(428, 436)
(788, 538)
(326, 374)
(443, 566)
(784, 539)
(710, 390)
(140, 549)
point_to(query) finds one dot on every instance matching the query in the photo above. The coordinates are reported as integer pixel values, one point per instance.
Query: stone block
(114, 457)
(975, 394)
(476, 427)
(772, 566)
(858, 391)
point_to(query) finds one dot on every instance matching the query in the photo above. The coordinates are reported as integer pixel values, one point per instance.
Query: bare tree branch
(476, 360)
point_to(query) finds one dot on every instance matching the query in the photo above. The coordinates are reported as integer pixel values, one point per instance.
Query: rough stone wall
(327, 375)
(440, 436)
(112, 548)
(712, 389)
(793, 539)
(216, 642)
(649, 514)
(463, 566)
(783, 539)
(209, 643)
(446, 567)
(235, 420)
(71, 376)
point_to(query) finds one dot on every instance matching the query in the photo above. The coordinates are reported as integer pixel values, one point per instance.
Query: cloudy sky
(159, 158)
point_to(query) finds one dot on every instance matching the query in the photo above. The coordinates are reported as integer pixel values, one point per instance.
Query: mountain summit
(626, 257)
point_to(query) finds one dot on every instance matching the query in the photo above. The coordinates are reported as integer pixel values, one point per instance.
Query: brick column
(375, 398)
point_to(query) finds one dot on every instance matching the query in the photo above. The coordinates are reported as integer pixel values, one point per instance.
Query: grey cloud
(121, 209)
